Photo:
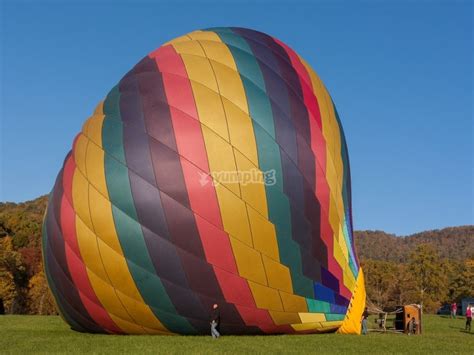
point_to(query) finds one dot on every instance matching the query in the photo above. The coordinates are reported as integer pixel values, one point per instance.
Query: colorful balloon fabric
(215, 171)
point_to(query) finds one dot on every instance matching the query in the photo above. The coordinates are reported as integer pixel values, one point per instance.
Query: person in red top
(468, 317)
(454, 309)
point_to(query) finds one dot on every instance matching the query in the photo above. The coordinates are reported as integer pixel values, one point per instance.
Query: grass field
(46, 334)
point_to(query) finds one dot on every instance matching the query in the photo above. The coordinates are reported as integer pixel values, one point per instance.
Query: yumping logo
(242, 177)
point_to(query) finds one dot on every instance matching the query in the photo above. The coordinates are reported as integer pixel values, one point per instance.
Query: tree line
(23, 287)
(430, 268)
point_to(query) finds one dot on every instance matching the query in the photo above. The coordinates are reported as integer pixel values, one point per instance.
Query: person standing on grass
(364, 321)
(454, 309)
(412, 326)
(215, 321)
(468, 317)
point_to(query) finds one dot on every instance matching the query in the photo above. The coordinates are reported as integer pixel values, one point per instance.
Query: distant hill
(23, 286)
(22, 221)
(456, 243)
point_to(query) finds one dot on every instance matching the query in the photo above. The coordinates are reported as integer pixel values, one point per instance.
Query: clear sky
(400, 73)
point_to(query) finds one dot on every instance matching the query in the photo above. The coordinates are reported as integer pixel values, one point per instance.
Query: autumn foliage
(430, 268)
(23, 286)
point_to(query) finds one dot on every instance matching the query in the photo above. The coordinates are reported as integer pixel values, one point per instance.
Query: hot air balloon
(215, 171)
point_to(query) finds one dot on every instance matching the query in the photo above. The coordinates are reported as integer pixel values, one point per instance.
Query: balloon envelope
(215, 172)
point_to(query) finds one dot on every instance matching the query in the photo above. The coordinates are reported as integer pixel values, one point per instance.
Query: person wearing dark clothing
(364, 320)
(215, 321)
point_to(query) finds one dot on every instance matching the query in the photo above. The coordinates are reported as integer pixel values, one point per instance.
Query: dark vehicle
(445, 309)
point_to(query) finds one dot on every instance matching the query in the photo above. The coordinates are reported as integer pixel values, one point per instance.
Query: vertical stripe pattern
(215, 171)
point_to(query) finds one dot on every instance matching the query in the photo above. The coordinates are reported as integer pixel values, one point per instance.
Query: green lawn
(20, 334)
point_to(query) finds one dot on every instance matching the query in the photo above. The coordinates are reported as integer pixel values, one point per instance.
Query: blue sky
(400, 73)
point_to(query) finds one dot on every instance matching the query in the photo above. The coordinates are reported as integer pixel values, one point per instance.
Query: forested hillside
(23, 285)
(22, 221)
(431, 267)
(452, 243)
